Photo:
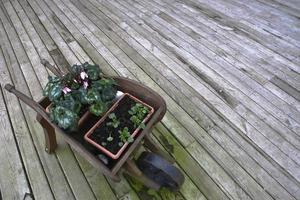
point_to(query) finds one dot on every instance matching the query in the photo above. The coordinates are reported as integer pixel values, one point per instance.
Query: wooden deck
(229, 71)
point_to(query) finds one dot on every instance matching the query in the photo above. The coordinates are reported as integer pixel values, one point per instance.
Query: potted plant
(118, 127)
(83, 90)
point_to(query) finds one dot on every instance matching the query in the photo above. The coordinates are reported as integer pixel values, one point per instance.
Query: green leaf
(47, 88)
(110, 138)
(97, 85)
(76, 69)
(64, 117)
(55, 92)
(108, 94)
(131, 112)
(143, 126)
(93, 71)
(74, 85)
(92, 96)
(70, 103)
(98, 108)
(112, 116)
(130, 139)
(80, 95)
(53, 79)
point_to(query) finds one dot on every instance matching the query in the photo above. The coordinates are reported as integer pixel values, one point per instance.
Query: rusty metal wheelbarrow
(153, 168)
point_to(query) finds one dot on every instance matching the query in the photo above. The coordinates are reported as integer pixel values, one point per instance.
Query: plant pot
(89, 135)
(82, 119)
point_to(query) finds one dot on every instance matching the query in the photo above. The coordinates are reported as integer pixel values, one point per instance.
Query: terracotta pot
(91, 131)
(80, 121)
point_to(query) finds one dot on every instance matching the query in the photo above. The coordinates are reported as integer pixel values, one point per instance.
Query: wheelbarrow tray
(75, 140)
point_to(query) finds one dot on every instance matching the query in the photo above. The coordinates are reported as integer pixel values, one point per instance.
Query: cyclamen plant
(83, 86)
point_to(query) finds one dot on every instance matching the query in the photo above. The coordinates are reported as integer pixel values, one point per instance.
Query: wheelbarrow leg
(49, 132)
(132, 170)
(152, 146)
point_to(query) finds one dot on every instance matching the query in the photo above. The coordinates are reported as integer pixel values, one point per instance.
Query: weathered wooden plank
(261, 101)
(286, 87)
(181, 69)
(122, 189)
(189, 165)
(39, 69)
(42, 38)
(76, 182)
(68, 162)
(56, 37)
(85, 23)
(13, 181)
(201, 89)
(134, 69)
(158, 79)
(291, 3)
(39, 46)
(84, 56)
(249, 83)
(270, 20)
(34, 170)
(124, 45)
(97, 181)
(280, 5)
(282, 47)
(288, 149)
(38, 26)
(226, 34)
(230, 68)
(204, 37)
(188, 189)
(71, 169)
(50, 165)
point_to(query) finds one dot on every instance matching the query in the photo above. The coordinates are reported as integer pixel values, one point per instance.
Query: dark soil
(83, 110)
(103, 131)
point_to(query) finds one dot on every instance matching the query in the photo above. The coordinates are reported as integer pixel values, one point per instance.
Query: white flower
(85, 84)
(66, 90)
(83, 75)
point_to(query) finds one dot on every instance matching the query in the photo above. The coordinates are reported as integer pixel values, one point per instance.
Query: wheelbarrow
(153, 167)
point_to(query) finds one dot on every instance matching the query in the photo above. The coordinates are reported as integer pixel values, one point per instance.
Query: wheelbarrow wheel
(160, 170)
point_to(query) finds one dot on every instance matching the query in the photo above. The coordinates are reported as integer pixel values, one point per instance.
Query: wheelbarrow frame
(126, 161)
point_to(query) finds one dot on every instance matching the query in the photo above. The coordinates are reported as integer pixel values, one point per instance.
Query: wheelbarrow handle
(27, 100)
(56, 71)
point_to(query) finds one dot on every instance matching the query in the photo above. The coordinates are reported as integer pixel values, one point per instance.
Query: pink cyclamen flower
(66, 90)
(85, 84)
(83, 75)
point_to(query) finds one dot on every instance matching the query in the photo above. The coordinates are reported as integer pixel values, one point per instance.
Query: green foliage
(125, 135)
(64, 117)
(114, 121)
(98, 108)
(92, 96)
(53, 88)
(93, 71)
(70, 103)
(106, 86)
(110, 138)
(83, 85)
(138, 113)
